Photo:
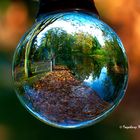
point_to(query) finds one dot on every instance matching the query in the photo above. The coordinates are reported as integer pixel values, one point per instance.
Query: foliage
(81, 53)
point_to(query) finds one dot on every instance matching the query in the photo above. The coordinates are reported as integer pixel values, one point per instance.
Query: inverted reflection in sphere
(70, 70)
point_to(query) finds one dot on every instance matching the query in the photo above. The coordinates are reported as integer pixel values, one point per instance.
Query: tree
(37, 29)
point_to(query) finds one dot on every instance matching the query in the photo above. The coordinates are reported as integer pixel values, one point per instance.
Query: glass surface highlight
(70, 70)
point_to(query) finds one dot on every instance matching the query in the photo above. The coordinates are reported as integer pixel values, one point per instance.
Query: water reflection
(98, 84)
(102, 85)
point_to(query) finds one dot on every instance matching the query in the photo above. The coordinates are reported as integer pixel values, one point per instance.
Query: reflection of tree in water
(116, 64)
(115, 89)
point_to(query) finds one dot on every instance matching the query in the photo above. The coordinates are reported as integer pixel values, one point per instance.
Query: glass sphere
(70, 69)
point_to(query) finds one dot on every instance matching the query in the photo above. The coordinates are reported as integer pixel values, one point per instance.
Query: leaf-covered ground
(61, 98)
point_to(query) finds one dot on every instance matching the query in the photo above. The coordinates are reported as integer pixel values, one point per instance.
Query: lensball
(70, 69)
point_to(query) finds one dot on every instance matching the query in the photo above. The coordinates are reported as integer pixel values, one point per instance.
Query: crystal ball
(70, 69)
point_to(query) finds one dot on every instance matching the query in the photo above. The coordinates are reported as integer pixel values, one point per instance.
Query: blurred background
(16, 17)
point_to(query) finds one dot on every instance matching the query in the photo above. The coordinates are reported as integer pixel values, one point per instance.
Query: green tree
(37, 29)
